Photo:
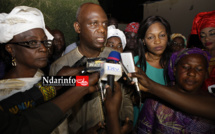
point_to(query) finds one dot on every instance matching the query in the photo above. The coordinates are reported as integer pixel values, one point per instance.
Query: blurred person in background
(178, 42)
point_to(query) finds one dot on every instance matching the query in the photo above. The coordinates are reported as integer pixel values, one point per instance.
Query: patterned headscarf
(132, 27)
(174, 59)
(21, 19)
(174, 35)
(203, 20)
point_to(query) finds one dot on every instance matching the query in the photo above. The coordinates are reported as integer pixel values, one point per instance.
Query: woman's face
(177, 44)
(190, 72)
(208, 37)
(30, 58)
(156, 39)
(131, 39)
(115, 43)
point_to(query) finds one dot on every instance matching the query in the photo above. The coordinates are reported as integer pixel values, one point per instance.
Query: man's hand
(112, 104)
(127, 126)
(113, 100)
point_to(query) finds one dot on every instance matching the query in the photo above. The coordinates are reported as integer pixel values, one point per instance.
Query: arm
(112, 104)
(74, 94)
(194, 104)
(36, 120)
(44, 118)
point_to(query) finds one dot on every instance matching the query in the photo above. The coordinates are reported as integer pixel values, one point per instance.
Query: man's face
(58, 42)
(93, 26)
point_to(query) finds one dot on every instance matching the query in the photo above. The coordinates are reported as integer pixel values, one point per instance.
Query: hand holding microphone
(143, 79)
(128, 64)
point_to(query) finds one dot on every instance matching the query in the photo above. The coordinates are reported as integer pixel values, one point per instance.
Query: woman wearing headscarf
(26, 42)
(178, 42)
(131, 38)
(116, 38)
(204, 26)
(188, 68)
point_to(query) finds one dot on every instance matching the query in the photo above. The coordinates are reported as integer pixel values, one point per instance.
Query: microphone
(113, 57)
(111, 71)
(94, 64)
(128, 65)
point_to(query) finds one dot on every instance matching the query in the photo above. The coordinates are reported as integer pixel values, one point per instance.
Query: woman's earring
(13, 61)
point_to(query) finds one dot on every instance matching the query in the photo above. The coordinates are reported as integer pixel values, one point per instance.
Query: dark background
(60, 14)
(125, 11)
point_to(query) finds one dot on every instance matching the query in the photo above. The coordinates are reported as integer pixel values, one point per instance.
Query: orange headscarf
(203, 20)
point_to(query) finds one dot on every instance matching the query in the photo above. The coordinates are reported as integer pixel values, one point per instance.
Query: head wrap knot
(203, 20)
(174, 59)
(112, 31)
(132, 27)
(19, 20)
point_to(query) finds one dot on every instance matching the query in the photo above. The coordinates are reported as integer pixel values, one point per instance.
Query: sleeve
(32, 97)
(57, 65)
(40, 120)
(66, 60)
(52, 70)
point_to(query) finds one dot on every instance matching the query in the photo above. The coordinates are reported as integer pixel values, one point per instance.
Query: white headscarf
(21, 19)
(112, 31)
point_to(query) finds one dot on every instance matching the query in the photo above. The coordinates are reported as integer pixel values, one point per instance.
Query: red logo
(82, 80)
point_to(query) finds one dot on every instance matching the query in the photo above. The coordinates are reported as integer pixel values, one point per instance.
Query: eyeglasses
(34, 43)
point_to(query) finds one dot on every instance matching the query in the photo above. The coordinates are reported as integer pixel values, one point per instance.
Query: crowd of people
(174, 75)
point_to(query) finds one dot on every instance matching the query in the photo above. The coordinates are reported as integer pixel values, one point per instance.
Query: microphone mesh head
(114, 56)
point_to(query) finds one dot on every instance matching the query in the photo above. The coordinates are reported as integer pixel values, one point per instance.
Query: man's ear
(10, 49)
(77, 27)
